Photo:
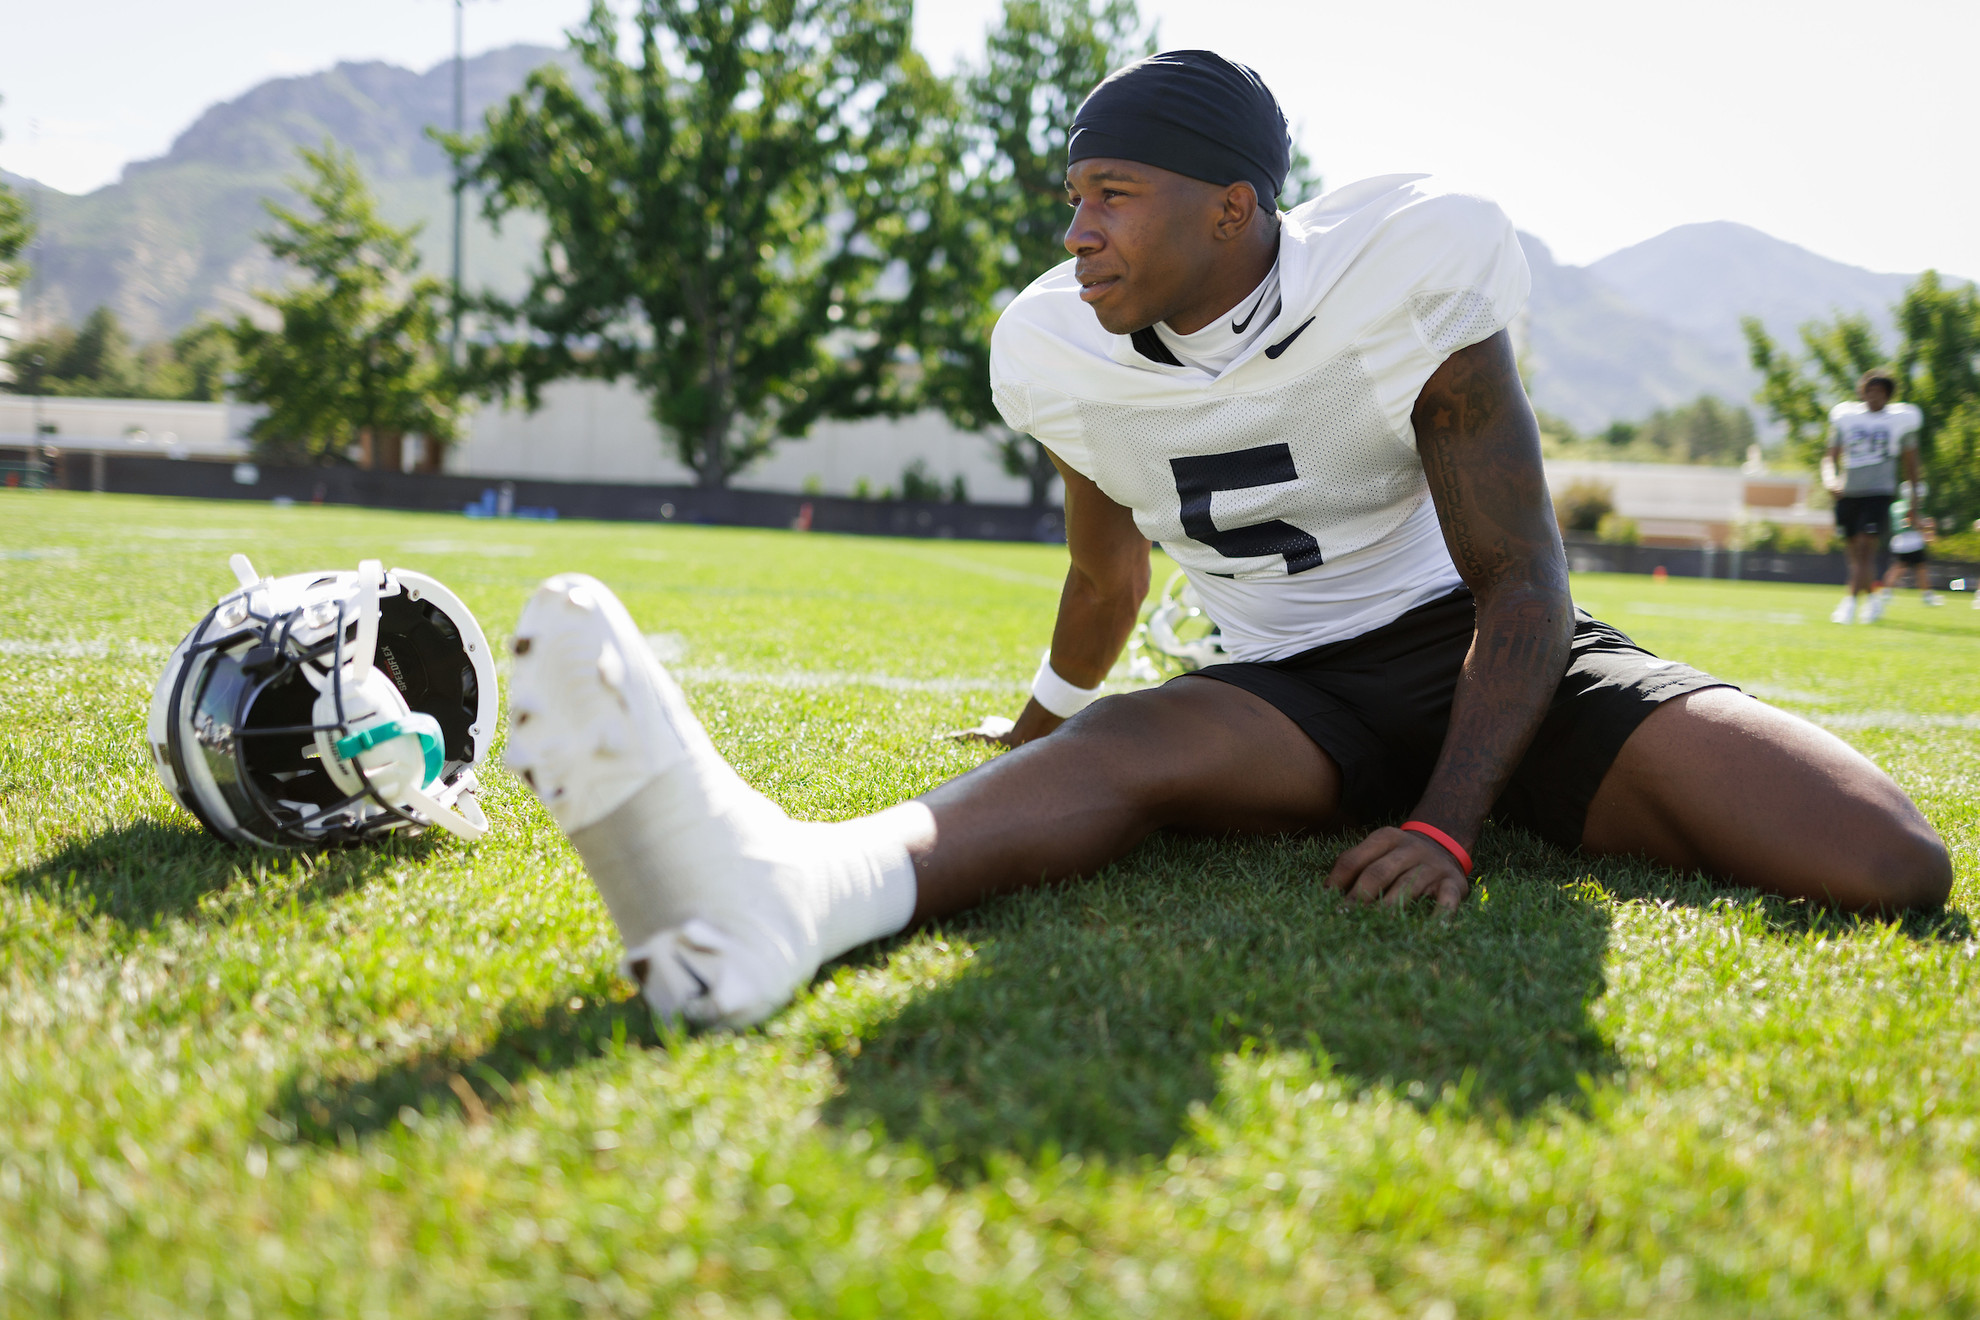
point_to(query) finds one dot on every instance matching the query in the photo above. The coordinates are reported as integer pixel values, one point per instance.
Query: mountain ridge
(175, 237)
(1704, 277)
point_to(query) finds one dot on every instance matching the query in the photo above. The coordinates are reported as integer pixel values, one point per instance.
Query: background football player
(1866, 441)
(1318, 415)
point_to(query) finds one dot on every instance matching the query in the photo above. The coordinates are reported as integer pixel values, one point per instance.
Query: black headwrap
(1191, 111)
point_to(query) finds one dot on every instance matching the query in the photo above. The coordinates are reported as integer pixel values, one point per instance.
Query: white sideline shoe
(1845, 612)
(725, 904)
(1931, 598)
(1873, 607)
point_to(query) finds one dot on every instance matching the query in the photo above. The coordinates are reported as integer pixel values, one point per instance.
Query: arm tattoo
(1481, 454)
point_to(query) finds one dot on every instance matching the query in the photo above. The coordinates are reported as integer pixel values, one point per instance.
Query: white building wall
(1679, 502)
(594, 431)
(137, 425)
(837, 456)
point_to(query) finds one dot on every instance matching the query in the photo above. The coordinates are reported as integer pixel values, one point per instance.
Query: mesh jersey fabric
(1871, 443)
(1287, 485)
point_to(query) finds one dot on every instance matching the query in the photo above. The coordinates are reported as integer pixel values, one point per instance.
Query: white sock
(725, 904)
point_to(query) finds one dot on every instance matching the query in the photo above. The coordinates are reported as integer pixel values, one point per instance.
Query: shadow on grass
(151, 871)
(1094, 1017)
(472, 1082)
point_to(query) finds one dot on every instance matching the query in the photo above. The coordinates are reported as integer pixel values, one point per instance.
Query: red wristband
(1450, 845)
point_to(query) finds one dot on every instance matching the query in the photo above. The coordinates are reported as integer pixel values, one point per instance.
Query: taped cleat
(726, 905)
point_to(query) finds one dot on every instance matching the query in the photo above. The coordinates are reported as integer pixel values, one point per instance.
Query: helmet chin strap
(444, 816)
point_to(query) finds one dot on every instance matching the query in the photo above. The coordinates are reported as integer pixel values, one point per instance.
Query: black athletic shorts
(1379, 705)
(1911, 558)
(1863, 515)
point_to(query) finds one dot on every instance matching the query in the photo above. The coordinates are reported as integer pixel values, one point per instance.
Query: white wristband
(1057, 695)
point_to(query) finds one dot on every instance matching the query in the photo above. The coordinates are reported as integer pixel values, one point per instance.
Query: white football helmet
(1178, 632)
(327, 708)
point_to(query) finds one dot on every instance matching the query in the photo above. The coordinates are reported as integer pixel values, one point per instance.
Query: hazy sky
(1846, 128)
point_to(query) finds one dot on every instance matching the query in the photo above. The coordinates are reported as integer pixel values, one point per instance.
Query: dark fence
(561, 499)
(1731, 565)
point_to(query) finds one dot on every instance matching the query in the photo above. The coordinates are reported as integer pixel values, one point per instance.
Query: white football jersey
(1871, 443)
(1287, 484)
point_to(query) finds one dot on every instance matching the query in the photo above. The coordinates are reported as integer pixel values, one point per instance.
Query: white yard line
(1893, 720)
(1713, 614)
(70, 649)
(809, 680)
(491, 550)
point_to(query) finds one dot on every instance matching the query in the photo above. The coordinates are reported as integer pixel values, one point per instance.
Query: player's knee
(1131, 739)
(1903, 867)
(1922, 871)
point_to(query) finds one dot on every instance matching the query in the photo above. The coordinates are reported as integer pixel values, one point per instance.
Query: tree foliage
(1706, 430)
(1937, 366)
(98, 360)
(1798, 392)
(1041, 60)
(16, 232)
(357, 359)
(736, 216)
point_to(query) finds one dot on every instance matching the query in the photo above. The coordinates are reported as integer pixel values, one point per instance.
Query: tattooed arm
(1481, 451)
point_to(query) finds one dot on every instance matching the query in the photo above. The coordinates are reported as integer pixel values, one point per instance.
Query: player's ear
(1240, 204)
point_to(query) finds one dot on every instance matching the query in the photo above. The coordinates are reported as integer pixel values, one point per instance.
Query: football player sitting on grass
(1317, 413)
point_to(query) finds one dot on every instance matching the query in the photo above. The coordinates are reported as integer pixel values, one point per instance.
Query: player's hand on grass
(998, 731)
(995, 729)
(1393, 866)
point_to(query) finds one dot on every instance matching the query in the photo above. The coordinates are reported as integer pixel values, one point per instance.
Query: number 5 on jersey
(1200, 476)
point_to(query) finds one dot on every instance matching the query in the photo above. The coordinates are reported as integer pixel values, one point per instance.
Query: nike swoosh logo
(691, 972)
(1286, 343)
(1237, 329)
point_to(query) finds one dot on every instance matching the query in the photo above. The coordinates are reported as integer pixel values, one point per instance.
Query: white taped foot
(725, 904)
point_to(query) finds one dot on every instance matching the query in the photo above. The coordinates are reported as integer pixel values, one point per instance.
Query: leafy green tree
(358, 359)
(1937, 366)
(99, 361)
(95, 361)
(1706, 430)
(16, 232)
(195, 365)
(1798, 392)
(1040, 62)
(720, 209)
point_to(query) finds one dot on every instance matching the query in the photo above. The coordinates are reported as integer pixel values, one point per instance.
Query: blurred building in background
(1679, 505)
(595, 431)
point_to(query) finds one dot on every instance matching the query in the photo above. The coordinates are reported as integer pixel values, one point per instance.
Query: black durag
(1190, 111)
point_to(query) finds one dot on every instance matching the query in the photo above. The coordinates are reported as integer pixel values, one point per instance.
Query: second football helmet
(1178, 631)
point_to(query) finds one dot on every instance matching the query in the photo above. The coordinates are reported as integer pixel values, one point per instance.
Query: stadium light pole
(460, 123)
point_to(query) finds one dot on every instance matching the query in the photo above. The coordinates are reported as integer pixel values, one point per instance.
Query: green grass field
(407, 1081)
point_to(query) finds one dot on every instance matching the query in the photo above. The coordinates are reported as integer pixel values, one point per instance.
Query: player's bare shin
(1480, 448)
